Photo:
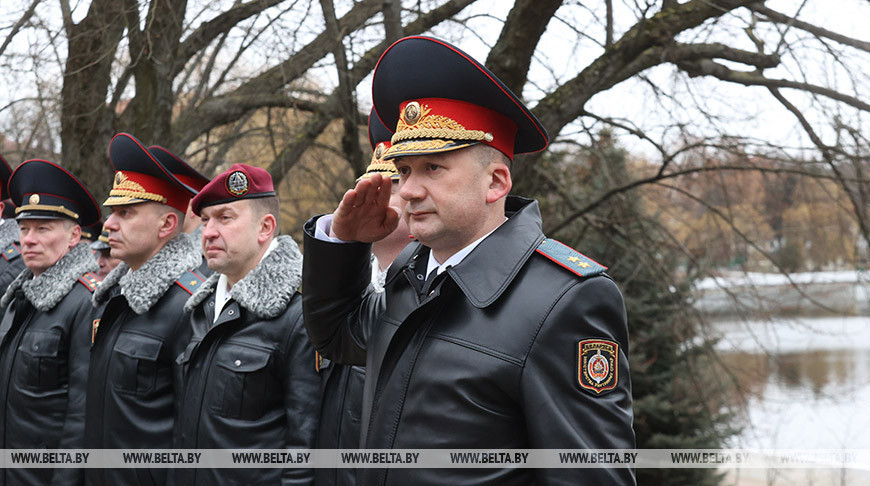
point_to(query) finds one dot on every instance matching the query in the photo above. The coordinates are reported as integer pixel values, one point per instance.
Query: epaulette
(569, 258)
(190, 281)
(11, 252)
(90, 280)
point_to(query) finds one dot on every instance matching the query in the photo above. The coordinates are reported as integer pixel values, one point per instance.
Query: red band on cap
(444, 119)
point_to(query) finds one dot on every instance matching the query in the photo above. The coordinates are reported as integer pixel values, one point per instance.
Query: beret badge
(237, 183)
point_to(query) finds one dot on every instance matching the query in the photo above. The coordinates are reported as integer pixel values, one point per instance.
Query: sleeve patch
(190, 281)
(597, 365)
(569, 258)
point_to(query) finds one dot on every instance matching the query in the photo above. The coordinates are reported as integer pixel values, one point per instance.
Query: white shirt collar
(222, 293)
(457, 257)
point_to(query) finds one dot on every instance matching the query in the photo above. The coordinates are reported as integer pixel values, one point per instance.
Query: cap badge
(34, 199)
(412, 113)
(237, 183)
(379, 151)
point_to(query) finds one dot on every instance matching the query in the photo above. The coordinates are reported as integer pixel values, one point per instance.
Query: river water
(806, 381)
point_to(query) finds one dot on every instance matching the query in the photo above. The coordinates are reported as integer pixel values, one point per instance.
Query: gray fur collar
(145, 286)
(52, 285)
(9, 233)
(267, 290)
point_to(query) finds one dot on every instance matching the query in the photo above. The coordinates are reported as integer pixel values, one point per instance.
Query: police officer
(45, 335)
(489, 335)
(103, 253)
(343, 384)
(133, 381)
(193, 179)
(11, 264)
(91, 232)
(250, 380)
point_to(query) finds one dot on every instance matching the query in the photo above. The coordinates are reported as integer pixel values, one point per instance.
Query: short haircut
(161, 209)
(267, 205)
(485, 155)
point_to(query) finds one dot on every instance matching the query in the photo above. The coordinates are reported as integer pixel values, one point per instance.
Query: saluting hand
(364, 213)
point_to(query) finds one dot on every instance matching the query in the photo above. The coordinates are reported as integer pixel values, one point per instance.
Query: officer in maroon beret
(250, 380)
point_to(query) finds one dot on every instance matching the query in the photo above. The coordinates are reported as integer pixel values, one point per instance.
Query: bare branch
(566, 103)
(392, 11)
(350, 137)
(707, 67)
(220, 110)
(221, 24)
(328, 110)
(511, 56)
(812, 29)
(23, 20)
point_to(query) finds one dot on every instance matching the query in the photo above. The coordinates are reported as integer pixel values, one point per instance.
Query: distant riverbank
(764, 294)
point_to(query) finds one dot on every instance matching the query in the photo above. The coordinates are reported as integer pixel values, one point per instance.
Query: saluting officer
(250, 376)
(45, 335)
(489, 334)
(11, 264)
(134, 382)
(343, 384)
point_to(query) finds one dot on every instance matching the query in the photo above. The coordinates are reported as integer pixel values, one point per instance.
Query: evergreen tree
(675, 405)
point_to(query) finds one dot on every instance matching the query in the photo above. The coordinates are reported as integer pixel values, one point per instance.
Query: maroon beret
(241, 181)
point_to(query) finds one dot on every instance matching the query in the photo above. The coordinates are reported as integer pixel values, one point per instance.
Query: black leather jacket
(250, 380)
(133, 381)
(45, 340)
(11, 264)
(488, 359)
(340, 419)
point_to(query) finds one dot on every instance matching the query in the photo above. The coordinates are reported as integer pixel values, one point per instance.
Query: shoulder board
(90, 280)
(11, 252)
(569, 258)
(190, 281)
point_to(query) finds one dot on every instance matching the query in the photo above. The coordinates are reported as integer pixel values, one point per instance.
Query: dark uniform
(11, 263)
(133, 381)
(250, 376)
(343, 384)
(522, 344)
(45, 334)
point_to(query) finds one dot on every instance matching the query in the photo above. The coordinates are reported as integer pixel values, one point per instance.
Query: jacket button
(419, 277)
(231, 312)
(36, 347)
(238, 363)
(211, 304)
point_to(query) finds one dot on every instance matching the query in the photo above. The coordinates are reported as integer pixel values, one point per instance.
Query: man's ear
(267, 228)
(168, 223)
(75, 235)
(499, 182)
